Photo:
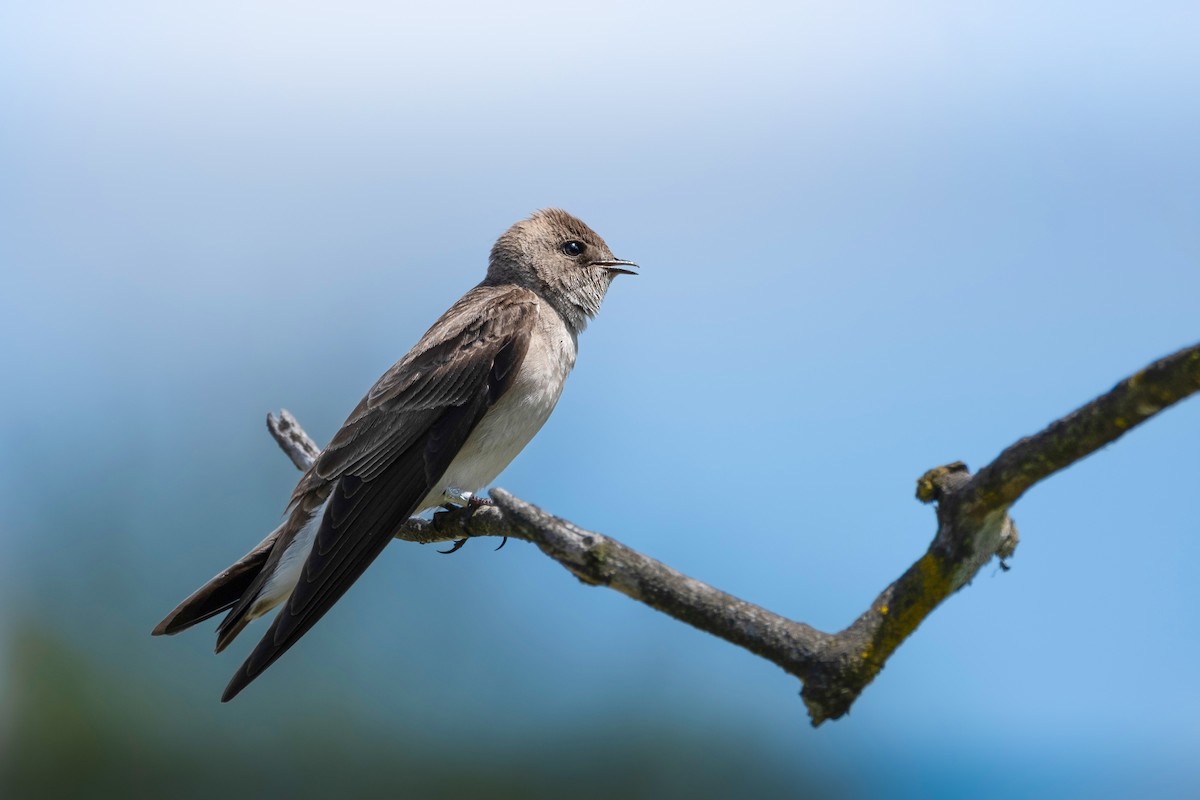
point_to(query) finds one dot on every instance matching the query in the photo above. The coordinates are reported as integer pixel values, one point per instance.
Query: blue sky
(876, 238)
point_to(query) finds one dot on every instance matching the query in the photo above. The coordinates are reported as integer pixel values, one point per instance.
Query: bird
(435, 429)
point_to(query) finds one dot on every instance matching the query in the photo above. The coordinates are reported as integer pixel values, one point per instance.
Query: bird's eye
(572, 248)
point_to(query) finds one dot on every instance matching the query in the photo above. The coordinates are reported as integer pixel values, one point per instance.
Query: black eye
(572, 248)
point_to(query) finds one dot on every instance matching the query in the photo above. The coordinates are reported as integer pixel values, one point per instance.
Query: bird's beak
(617, 265)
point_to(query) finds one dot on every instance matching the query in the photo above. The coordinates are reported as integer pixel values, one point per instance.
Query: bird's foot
(456, 499)
(475, 501)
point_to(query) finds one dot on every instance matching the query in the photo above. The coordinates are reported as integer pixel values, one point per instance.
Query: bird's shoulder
(460, 345)
(449, 364)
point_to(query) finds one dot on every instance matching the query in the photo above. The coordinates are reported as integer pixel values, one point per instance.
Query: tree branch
(973, 525)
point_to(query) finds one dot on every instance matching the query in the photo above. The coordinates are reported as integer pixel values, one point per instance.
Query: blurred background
(875, 238)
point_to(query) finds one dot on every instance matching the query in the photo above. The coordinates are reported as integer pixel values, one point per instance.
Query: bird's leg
(458, 498)
(455, 496)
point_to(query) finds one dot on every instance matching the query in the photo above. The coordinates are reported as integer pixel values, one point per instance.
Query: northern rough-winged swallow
(437, 427)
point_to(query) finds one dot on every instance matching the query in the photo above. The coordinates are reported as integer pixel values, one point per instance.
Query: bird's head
(561, 259)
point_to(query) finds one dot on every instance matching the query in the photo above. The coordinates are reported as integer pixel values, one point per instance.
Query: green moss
(926, 584)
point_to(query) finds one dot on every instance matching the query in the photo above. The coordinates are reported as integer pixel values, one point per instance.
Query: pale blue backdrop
(875, 237)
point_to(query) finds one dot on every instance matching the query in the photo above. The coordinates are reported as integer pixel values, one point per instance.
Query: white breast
(519, 414)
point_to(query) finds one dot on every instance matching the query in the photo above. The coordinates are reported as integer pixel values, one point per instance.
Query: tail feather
(221, 593)
(230, 627)
(274, 581)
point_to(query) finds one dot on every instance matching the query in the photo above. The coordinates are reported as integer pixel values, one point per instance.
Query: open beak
(617, 265)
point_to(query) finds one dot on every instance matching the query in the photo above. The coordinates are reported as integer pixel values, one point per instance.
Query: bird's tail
(223, 592)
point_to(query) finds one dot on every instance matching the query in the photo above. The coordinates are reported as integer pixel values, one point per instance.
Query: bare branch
(1085, 430)
(601, 561)
(291, 438)
(973, 526)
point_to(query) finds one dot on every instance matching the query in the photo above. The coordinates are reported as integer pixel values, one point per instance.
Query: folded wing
(393, 449)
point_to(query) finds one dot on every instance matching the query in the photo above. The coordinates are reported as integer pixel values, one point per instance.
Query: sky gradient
(875, 238)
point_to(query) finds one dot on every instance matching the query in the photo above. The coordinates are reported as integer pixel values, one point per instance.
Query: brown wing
(394, 447)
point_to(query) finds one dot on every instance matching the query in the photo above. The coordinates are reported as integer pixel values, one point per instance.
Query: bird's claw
(469, 501)
(458, 543)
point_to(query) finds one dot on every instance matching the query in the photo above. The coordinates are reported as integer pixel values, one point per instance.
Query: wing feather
(393, 449)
